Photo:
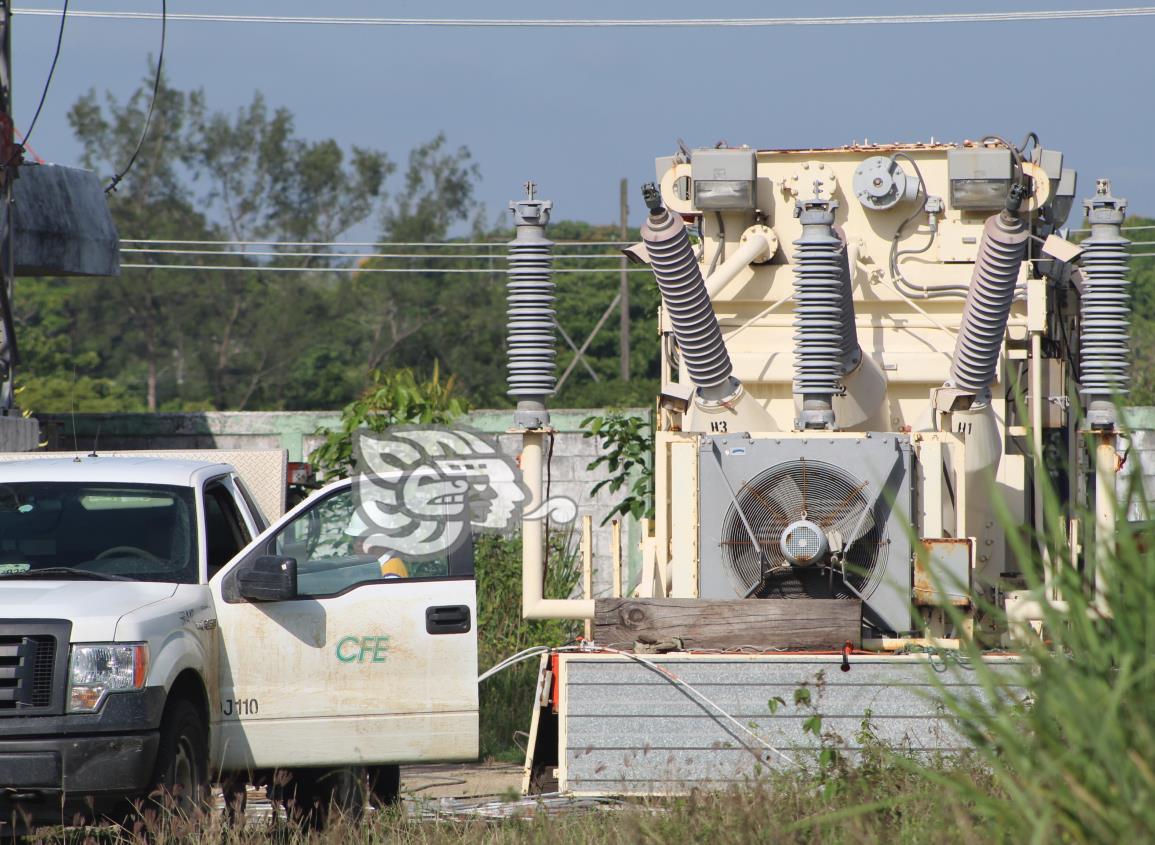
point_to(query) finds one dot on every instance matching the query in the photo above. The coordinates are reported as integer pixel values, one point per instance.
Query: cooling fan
(803, 528)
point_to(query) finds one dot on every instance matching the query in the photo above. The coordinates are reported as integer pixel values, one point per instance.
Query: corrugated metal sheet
(627, 729)
(263, 470)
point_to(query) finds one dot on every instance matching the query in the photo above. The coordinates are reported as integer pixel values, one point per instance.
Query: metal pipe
(1105, 544)
(1036, 390)
(758, 244)
(534, 605)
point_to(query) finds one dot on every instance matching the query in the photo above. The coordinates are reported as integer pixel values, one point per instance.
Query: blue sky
(578, 109)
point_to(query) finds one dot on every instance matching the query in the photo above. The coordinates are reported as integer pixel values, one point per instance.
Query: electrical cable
(47, 81)
(513, 660)
(592, 23)
(255, 268)
(440, 244)
(361, 255)
(588, 647)
(912, 290)
(699, 695)
(117, 177)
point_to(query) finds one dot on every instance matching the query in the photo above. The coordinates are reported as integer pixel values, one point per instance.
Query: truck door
(374, 660)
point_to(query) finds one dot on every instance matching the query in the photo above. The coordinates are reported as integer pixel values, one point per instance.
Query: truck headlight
(94, 670)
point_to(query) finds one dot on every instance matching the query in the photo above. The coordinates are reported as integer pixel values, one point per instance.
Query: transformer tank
(869, 359)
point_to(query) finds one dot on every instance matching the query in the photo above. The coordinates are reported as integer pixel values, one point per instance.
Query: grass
(506, 699)
(783, 808)
(1076, 761)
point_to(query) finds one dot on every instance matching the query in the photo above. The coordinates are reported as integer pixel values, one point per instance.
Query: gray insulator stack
(687, 303)
(988, 305)
(530, 297)
(1104, 341)
(851, 350)
(822, 335)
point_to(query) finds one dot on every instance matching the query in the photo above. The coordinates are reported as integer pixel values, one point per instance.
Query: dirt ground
(448, 787)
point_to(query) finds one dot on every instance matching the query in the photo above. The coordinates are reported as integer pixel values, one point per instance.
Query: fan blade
(787, 496)
(855, 523)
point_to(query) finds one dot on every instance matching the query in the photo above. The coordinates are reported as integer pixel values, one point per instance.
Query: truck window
(225, 531)
(335, 550)
(135, 531)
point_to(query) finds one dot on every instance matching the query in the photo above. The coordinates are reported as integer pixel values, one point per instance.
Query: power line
(382, 244)
(344, 256)
(253, 268)
(51, 73)
(116, 177)
(591, 23)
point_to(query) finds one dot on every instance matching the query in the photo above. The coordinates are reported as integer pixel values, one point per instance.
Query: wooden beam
(720, 623)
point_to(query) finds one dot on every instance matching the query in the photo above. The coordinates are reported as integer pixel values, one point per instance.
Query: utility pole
(10, 157)
(624, 289)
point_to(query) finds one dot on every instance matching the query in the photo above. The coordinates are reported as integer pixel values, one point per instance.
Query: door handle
(447, 619)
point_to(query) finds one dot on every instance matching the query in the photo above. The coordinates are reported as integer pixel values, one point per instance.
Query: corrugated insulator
(988, 305)
(820, 327)
(530, 297)
(1105, 341)
(687, 303)
(851, 350)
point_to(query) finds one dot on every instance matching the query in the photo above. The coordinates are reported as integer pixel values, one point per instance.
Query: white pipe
(1036, 390)
(534, 605)
(754, 247)
(1105, 542)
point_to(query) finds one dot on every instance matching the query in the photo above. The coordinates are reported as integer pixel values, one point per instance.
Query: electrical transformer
(875, 358)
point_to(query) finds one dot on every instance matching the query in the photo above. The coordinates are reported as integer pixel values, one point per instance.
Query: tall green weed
(506, 699)
(1074, 758)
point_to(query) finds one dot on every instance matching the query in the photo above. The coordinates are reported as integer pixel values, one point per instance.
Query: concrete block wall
(1140, 423)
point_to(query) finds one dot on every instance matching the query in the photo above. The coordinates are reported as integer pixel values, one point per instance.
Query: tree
(266, 184)
(402, 317)
(153, 198)
(1142, 311)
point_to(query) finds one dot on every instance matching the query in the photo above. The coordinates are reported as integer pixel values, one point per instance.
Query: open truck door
(335, 650)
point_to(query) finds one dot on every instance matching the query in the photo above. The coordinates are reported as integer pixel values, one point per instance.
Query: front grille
(27, 671)
(43, 671)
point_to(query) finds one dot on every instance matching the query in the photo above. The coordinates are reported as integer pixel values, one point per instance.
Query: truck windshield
(138, 532)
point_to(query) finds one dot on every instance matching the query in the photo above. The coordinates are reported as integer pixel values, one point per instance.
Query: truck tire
(384, 786)
(180, 790)
(180, 780)
(313, 795)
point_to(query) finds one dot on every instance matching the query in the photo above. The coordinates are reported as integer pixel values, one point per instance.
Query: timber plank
(730, 623)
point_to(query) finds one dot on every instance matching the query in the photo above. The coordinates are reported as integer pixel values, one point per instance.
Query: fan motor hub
(804, 543)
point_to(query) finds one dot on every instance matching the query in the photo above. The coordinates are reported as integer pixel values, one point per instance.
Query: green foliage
(1143, 311)
(256, 337)
(393, 398)
(507, 697)
(628, 455)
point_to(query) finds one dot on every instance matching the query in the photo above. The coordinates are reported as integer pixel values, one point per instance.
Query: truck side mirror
(268, 578)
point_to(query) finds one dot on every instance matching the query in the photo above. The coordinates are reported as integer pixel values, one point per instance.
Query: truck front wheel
(180, 780)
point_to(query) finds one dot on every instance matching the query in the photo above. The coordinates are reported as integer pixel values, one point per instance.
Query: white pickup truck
(156, 635)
